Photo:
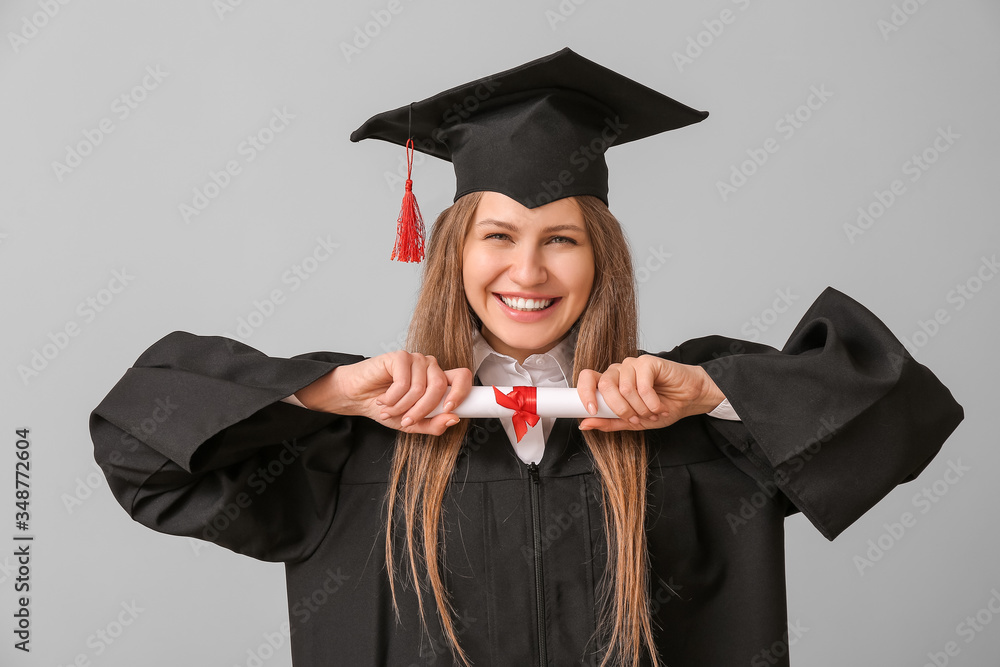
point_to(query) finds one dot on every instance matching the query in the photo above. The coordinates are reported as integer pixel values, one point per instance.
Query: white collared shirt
(549, 369)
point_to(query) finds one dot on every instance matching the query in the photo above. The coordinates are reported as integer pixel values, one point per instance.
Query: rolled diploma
(549, 401)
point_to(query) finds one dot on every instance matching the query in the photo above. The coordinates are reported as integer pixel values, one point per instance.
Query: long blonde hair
(442, 326)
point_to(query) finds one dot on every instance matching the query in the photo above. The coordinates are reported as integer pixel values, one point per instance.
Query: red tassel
(410, 224)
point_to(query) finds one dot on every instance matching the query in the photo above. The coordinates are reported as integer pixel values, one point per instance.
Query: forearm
(711, 395)
(326, 394)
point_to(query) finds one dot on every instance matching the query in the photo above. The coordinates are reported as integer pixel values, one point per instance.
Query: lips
(542, 307)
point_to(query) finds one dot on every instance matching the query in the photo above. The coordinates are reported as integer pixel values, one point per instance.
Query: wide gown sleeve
(195, 440)
(835, 419)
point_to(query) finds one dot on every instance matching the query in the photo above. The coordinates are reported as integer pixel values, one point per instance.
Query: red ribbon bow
(522, 401)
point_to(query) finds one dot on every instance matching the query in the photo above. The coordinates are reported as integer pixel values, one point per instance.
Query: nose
(527, 267)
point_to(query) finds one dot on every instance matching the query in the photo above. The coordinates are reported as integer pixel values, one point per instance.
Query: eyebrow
(513, 228)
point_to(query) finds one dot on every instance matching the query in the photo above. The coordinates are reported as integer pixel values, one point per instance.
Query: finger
(629, 391)
(435, 387)
(416, 383)
(436, 425)
(441, 423)
(601, 424)
(425, 382)
(397, 367)
(459, 387)
(609, 388)
(586, 387)
(646, 373)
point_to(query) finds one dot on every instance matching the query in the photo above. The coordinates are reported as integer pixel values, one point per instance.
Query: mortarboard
(536, 133)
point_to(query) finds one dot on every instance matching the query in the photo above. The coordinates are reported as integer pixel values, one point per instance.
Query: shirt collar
(562, 353)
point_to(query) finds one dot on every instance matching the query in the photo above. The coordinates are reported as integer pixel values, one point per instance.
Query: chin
(530, 344)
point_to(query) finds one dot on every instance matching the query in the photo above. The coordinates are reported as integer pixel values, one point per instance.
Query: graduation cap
(536, 133)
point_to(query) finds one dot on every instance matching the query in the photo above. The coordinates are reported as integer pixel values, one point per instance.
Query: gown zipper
(537, 537)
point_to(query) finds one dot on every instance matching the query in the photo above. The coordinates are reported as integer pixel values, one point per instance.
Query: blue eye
(503, 236)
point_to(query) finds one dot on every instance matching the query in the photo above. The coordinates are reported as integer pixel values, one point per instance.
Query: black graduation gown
(195, 441)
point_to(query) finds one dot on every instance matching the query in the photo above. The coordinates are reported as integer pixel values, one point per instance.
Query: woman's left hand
(647, 392)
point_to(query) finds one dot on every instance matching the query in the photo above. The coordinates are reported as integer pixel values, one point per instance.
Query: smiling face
(527, 272)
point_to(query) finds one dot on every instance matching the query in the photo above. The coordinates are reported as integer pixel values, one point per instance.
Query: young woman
(650, 539)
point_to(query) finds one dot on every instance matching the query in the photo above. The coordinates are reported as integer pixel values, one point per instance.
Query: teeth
(527, 304)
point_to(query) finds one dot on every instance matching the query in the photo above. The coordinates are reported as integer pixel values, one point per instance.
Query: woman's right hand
(397, 389)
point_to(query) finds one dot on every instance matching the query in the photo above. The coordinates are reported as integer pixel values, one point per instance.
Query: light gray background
(61, 241)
